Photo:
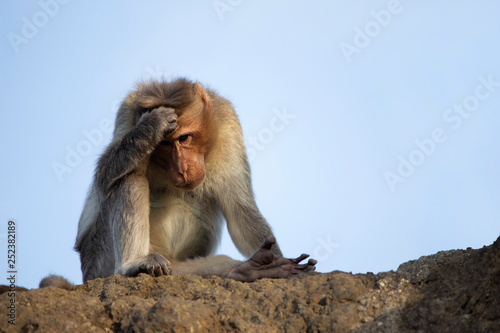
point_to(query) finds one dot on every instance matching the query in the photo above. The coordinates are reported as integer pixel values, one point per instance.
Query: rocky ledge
(451, 291)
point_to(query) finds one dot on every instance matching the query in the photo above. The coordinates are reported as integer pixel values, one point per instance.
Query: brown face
(182, 155)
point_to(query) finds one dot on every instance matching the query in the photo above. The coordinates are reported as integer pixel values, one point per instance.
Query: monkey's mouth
(191, 185)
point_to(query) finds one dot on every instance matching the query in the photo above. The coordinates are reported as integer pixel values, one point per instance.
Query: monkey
(175, 169)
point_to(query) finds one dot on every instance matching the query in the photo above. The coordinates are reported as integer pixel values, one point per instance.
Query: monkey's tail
(56, 281)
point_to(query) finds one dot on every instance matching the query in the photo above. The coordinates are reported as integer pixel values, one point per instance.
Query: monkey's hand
(264, 264)
(160, 121)
(153, 264)
(125, 155)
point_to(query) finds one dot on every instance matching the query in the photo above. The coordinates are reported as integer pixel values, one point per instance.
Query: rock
(452, 291)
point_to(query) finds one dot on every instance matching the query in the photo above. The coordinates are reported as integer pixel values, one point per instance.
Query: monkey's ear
(203, 95)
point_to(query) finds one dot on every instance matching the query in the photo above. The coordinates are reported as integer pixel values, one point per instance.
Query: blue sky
(372, 125)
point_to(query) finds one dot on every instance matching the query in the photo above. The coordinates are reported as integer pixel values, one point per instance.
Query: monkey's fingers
(169, 115)
(300, 258)
(158, 270)
(154, 264)
(312, 262)
(302, 268)
(268, 243)
(310, 266)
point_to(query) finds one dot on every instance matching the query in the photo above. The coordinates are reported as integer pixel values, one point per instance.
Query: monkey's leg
(129, 214)
(263, 264)
(215, 265)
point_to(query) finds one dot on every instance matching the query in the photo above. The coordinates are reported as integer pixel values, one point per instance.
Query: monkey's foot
(153, 264)
(264, 264)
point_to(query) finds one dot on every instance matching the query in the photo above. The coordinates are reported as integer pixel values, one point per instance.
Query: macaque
(175, 169)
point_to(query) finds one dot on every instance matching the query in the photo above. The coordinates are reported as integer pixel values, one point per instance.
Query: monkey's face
(182, 155)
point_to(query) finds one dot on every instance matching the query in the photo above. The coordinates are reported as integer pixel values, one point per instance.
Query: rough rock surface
(452, 291)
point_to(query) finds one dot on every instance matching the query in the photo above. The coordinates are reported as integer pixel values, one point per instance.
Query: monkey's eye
(183, 138)
(165, 143)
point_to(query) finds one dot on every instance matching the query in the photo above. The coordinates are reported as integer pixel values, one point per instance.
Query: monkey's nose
(183, 173)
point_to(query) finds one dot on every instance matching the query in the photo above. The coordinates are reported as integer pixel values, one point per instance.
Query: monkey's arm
(251, 233)
(130, 153)
(246, 225)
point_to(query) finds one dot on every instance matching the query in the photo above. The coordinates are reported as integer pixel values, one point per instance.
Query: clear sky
(372, 125)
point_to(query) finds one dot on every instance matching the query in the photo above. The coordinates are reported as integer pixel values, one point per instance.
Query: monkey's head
(182, 153)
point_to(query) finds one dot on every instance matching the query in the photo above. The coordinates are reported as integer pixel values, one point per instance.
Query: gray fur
(55, 281)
